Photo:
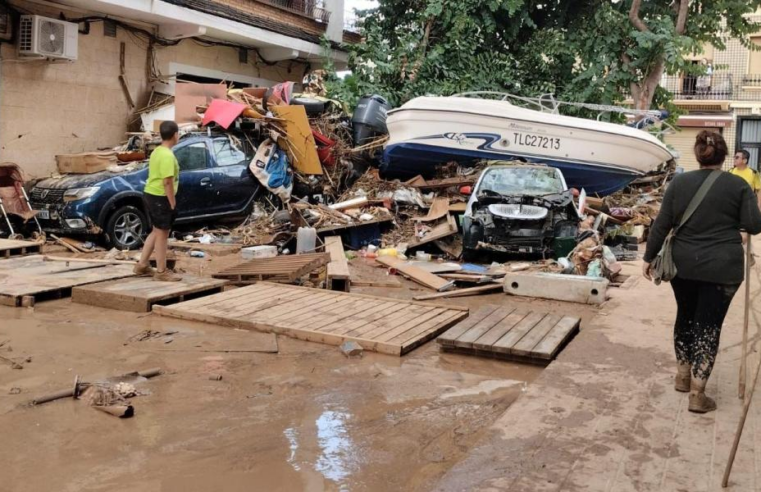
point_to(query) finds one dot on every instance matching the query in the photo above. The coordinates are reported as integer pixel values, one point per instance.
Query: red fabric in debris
(222, 113)
(324, 148)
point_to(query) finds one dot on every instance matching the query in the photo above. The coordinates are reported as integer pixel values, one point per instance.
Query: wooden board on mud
(277, 269)
(29, 279)
(10, 248)
(140, 294)
(510, 333)
(378, 324)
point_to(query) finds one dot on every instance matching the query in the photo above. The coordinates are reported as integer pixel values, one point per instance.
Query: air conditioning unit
(43, 37)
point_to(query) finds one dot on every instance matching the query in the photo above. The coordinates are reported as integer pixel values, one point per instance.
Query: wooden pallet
(513, 334)
(10, 248)
(378, 324)
(141, 294)
(30, 279)
(278, 269)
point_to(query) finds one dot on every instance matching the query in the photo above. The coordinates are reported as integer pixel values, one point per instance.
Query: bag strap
(698, 198)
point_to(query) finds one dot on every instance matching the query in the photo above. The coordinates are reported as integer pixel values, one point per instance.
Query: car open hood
(68, 181)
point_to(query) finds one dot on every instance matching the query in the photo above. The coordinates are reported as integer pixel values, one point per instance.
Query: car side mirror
(466, 190)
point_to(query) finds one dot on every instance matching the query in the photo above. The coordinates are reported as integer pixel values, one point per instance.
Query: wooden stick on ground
(85, 260)
(65, 244)
(740, 425)
(744, 360)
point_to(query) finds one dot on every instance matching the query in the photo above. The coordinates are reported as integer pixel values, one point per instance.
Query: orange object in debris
(299, 142)
(466, 190)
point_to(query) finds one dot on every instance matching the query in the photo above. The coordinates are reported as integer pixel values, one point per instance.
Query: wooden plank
(466, 277)
(466, 339)
(389, 283)
(451, 335)
(416, 274)
(441, 230)
(560, 333)
(299, 143)
(470, 291)
(439, 323)
(289, 267)
(213, 249)
(385, 334)
(10, 248)
(431, 184)
(526, 344)
(140, 294)
(485, 341)
(506, 343)
(388, 319)
(439, 208)
(338, 276)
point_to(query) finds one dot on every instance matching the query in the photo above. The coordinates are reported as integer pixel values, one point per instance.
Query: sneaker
(143, 271)
(166, 276)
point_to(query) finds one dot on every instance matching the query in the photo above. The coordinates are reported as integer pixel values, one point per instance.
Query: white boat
(597, 156)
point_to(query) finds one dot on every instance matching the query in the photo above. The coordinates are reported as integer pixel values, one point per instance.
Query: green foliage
(580, 50)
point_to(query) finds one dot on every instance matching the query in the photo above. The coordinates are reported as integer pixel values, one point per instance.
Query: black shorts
(159, 211)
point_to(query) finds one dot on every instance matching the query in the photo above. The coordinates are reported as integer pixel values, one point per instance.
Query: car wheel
(127, 228)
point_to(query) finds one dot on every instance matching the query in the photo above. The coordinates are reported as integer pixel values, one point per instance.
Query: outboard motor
(369, 120)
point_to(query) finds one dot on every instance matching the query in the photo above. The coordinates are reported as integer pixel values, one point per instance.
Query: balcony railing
(703, 87)
(714, 87)
(308, 8)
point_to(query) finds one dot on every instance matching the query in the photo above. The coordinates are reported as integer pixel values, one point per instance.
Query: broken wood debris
(278, 269)
(338, 276)
(416, 274)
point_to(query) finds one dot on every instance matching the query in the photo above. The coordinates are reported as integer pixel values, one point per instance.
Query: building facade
(726, 100)
(129, 51)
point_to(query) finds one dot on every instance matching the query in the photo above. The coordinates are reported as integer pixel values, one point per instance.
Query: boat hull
(601, 158)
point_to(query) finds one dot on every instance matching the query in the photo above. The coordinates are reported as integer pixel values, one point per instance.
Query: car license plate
(43, 214)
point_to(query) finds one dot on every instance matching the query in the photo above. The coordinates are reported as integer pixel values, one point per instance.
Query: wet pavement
(307, 418)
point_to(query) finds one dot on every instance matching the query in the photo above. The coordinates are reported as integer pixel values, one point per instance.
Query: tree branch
(634, 16)
(681, 19)
(424, 48)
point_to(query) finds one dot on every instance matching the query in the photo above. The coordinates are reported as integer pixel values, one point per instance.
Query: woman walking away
(707, 251)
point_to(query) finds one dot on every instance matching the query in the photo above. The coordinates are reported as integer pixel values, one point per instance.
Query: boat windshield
(521, 181)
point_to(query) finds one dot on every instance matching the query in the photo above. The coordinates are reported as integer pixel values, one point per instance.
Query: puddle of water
(335, 463)
(293, 444)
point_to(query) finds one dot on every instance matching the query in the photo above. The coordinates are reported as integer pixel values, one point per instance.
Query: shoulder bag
(663, 267)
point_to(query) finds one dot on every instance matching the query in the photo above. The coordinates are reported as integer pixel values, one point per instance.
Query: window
(749, 138)
(192, 157)
(226, 154)
(754, 64)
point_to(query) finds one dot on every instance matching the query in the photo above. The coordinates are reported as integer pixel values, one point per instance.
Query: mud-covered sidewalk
(605, 416)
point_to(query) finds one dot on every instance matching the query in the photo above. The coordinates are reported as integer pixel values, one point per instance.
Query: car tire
(127, 228)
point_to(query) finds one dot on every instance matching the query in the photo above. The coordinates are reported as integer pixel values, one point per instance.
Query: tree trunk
(644, 90)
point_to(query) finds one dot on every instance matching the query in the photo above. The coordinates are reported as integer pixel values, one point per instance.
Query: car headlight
(75, 194)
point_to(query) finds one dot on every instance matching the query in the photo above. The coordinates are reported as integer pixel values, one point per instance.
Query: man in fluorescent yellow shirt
(747, 173)
(159, 196)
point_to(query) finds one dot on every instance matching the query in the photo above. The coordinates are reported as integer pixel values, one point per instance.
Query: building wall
(59, 108)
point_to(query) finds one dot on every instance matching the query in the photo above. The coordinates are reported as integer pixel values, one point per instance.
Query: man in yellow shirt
(747, 173)
(159, 196)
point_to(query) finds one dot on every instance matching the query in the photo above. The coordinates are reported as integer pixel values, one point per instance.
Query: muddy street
(305, 418)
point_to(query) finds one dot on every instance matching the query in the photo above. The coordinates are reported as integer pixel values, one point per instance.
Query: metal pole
(744, 361)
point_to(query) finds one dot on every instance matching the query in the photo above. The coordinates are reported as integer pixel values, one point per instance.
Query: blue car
(215, 185)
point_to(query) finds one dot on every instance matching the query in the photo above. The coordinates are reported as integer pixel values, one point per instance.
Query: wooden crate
(378, 324)
(142, 293)
(510, 333)
(30, 279)
(11, 248)
(278, 269)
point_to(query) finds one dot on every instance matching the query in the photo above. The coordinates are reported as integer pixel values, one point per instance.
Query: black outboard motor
(369, 120)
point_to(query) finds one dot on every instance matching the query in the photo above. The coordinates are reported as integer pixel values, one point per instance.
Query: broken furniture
(11, 248)
(86, 163)
(512, 334)
(140, 294)
(558, 287)
(389, 326)
(338, 277)
(29, 279)
(279, 269)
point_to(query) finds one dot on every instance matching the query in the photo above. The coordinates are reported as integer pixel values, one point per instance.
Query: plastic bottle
(387, 252)
(306, 240)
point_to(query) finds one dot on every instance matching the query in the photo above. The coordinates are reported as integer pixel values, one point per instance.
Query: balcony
(714, 87)
(309, 8)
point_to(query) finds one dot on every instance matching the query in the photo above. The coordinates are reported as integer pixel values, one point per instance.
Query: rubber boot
(682, 380)
(699, 402)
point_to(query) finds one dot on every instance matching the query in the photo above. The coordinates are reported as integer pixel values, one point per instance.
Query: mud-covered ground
(305, 418)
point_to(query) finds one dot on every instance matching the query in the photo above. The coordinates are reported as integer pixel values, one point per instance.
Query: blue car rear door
(234, 185)
(196, 193)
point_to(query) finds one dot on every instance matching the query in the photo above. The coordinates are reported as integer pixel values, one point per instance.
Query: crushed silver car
(523, 209)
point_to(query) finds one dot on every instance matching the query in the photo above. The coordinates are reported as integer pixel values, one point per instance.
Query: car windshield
(521, 181)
